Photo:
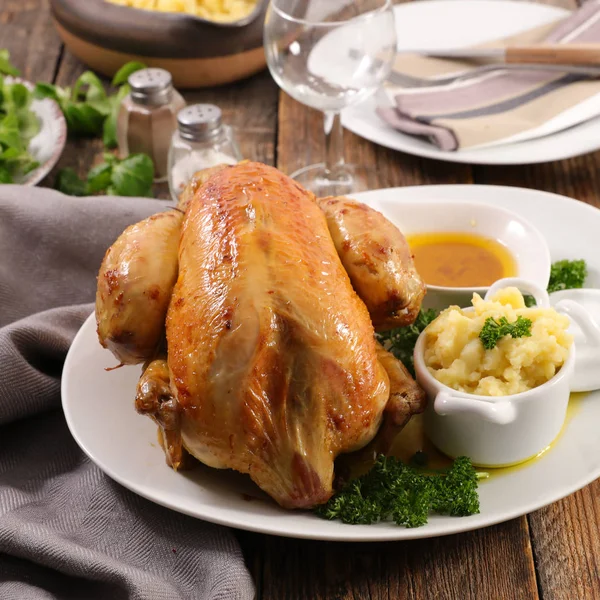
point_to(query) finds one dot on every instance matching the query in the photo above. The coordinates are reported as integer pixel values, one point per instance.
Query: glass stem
(334, 141)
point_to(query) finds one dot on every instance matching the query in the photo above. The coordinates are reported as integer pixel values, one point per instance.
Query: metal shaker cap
(199, 122)
(151, 86)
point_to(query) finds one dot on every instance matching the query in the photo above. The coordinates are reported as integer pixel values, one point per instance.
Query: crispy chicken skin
(271, 368)
(378, 260)
(135, 284)
(271, 352)
(197, 181)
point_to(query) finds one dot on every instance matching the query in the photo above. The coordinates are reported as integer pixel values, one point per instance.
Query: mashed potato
(214, 10)
(456, 357)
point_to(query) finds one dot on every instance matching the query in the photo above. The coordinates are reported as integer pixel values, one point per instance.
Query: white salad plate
(48, 145)
(99, 409)
(443, 24)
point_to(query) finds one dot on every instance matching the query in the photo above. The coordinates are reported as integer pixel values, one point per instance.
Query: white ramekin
(505, 430)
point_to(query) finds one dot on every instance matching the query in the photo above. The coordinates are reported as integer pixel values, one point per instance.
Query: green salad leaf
(99, 178)
(132, 176)
(10, 136)
(6, 68)
(5, 176)
(88, 108)
(68, 182)
(122, 75)
(18, 126)
(85, 106)
(109, 133)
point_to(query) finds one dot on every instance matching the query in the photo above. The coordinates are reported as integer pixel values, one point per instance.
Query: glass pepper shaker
(148, 116)
(202, 140)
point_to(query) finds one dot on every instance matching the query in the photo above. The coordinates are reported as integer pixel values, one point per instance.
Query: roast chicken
(252, 307)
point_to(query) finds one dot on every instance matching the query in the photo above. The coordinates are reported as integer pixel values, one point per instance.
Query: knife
(555, 54)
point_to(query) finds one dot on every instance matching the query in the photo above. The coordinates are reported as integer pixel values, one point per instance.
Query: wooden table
(551, 554)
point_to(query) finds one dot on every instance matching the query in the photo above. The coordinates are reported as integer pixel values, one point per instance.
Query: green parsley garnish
(406, 494)
(493, 331)
(401, 341)
(567, 275)
(564, 275)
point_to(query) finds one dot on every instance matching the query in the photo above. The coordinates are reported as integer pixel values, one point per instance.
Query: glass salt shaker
(202, 140)
(148, 117)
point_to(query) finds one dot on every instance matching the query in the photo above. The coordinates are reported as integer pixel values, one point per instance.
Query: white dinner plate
(98, 405)
(436, 24)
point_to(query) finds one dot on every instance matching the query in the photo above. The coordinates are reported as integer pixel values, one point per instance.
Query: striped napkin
(499, 106)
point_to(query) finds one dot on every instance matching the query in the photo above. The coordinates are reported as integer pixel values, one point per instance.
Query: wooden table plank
(566, 541)
(488, 563)
(27, 32)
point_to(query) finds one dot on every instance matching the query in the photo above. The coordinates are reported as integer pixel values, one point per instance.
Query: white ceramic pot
(505, 430)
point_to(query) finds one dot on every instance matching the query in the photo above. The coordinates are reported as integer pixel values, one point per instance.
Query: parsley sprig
(401, 341)
(493, 331)
(564, 275)
(408, 495)
(567, 275)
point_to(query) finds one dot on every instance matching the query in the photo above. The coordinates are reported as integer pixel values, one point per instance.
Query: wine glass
(330, 54)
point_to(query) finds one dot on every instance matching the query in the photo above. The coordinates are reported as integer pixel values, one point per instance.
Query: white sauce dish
(525, 243)
(499, 431)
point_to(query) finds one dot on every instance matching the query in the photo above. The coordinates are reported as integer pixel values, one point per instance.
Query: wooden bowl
(197, 53)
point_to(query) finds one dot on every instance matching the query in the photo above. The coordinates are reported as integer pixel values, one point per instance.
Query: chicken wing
(135, 283)
(378, 260)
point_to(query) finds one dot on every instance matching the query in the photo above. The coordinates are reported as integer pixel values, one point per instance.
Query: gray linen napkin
(66, 529)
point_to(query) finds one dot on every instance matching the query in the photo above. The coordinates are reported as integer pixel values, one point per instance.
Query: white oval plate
(435, 24)
(99, 409)
(48, 145)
